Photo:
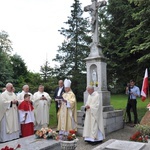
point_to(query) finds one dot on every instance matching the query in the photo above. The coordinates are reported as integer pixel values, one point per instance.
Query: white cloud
(33, 27)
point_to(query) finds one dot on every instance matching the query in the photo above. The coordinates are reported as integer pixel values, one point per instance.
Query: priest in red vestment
(26, 116)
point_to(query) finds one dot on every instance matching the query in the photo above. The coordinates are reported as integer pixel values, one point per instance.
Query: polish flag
(144, 90)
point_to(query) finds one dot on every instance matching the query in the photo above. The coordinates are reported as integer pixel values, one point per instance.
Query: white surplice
(9, 122)
(41, 109)
(93, 124)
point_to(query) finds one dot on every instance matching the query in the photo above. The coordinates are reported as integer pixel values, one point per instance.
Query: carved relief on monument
(94, 76)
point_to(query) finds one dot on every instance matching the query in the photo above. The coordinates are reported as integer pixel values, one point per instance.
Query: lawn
(117, 101)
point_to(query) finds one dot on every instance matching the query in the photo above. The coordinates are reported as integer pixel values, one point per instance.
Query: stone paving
(122, 134)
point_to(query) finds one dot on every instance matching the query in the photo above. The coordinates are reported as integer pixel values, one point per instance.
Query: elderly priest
(9, 124)
(93, 131)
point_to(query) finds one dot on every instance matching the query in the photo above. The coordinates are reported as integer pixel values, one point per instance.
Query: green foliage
(74, 50)
(125, 37)
(6, 71)
(144, 129)
(120, 102)
(141, 30)
(46, 71)
(19, 68)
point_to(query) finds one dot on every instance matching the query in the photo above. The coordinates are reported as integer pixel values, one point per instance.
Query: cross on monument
(93, 8)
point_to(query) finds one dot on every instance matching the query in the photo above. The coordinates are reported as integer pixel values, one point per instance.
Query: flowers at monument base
(138, 137)
(46, 133)
(10, 148)
(143, 129)
(68, 140)
(70, 136)
(142, 134)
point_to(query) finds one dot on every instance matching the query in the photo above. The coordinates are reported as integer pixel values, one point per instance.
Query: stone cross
(93, 8)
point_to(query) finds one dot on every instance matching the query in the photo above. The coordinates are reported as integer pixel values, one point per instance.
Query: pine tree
(140, 34)
(74, 50)
(122, 65)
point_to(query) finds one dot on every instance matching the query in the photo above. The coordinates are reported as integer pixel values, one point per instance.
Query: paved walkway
(122, 134)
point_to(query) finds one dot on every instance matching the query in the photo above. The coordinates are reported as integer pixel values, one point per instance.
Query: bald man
(25, 90)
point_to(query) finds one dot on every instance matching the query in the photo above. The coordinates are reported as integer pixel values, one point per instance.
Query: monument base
(113, 121)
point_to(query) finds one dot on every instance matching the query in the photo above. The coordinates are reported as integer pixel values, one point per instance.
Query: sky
(32, 26)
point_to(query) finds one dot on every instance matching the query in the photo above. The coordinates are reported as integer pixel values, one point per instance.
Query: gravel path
(122, 134)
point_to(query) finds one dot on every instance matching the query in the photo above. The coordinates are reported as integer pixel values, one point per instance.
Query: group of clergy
(93, 131)
(22, 114)
(34, 112)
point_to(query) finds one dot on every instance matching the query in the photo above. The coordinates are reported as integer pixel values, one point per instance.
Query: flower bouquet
(68, 141)
(142, 134)
(138, 137)
(46, 133)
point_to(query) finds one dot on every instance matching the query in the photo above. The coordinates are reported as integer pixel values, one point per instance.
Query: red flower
(72, 131)
(138, 137)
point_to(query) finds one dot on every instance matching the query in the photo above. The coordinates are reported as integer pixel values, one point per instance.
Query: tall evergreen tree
(140, 34)
(122, 65)
(74, 50)
(46, 71)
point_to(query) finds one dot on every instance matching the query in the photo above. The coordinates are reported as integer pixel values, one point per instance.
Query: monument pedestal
(97, 77)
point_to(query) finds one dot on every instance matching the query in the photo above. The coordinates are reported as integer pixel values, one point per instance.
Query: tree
(122, 64)
(46, 71)
(19, 68)
(74, 50)
(139, 34)
(6, 71)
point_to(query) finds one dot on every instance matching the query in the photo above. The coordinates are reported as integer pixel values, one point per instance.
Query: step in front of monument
(113, 121)
(79, 130)
(80, 114)
(31, 143)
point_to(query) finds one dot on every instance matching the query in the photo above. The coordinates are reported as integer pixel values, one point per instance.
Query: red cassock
(27, 127)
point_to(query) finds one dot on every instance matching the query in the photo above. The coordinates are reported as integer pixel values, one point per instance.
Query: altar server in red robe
(26, 116)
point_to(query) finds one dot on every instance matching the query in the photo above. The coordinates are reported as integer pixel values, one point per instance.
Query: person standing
(26, 116)
(58, 93)
(93, 131)
(41, 103)
(9, 121)
(67, 114)
(25, 90)
(133, 92)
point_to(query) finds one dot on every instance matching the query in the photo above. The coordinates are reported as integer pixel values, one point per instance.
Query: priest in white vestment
(67, 114)
(9, 122)
(93, 125)
(41, 103)
(25, 90)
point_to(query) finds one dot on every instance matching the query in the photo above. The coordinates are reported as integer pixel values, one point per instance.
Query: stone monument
(97, 76)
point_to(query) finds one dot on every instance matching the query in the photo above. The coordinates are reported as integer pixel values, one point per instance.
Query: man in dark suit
(58, 93)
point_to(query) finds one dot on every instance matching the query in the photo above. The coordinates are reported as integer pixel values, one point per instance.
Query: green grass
(117, 101)
(120, 102)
